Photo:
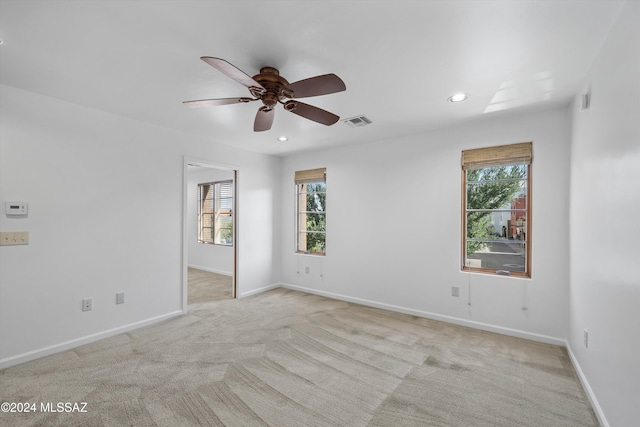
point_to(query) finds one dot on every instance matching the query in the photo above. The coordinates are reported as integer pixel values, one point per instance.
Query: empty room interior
(307, 212)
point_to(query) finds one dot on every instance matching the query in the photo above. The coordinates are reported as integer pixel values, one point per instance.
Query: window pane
(501, 187)
(207, 227)
(224, 230)
(502, 225)
(225, 204)
(315, 202)
(496, 218)
(315, 187)
(224, 217)
(312, 222)
(509, 255)
(312, 242)
(206, 194)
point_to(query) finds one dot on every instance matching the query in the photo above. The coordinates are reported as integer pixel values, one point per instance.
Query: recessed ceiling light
(283, 138)
(458, 97)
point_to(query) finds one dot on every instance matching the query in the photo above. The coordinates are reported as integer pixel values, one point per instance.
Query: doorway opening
(209, 232)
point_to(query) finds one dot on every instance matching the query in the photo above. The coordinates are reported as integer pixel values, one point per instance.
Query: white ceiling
(400, 60)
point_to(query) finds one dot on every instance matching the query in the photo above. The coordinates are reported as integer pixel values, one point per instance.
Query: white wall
(393, 227)
(105, 198)
(208, 257)
(605, 226)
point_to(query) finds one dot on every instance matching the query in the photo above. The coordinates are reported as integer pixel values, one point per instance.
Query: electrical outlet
(306, 269)
(586, 339)
(455, 291)
(120, 298)
(87, 304)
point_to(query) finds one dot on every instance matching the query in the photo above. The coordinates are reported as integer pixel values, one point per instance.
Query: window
(496, 217)
(215, 213)
(311, 194)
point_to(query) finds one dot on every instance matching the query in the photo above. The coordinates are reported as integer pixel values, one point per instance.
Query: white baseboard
(587, 387)
(450, 319)
(56, 348)
(211, 270)
(259, 290)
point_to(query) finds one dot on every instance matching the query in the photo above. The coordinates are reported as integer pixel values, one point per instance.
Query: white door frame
(190, 161)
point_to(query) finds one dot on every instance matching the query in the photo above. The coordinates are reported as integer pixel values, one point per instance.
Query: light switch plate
(9, 238)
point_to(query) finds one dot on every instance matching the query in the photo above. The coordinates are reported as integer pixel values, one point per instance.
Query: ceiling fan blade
(310, 112)
(233, 72)
(319, 85)
(212, 102)
(264, 119)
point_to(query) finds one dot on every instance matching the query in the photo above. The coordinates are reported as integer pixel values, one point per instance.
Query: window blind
(224, 198)
(478, 158)
(310, 175)
(224, 208)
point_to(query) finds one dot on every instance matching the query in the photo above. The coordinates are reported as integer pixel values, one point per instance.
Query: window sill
(492, 272)
(310, 253)
(229, 245)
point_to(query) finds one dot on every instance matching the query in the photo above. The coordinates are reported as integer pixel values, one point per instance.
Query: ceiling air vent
(357, 121)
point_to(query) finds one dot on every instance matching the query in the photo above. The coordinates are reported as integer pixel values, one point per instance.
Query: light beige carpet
(205, 286)
(285, 358)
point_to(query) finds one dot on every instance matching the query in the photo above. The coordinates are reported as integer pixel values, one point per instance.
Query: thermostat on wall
(16, 208)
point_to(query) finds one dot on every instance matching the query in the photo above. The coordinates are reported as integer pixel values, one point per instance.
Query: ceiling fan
(270, 88)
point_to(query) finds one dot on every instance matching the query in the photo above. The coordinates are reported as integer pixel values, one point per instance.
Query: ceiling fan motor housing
(275, 85)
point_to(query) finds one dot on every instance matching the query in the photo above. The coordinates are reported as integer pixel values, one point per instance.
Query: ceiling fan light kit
(271, 88)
